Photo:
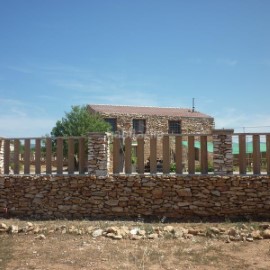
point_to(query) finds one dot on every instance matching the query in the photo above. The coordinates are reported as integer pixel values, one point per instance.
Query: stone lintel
(223, 131)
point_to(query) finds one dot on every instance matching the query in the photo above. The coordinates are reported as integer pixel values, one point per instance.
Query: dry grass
(5, 250)
(72, 251)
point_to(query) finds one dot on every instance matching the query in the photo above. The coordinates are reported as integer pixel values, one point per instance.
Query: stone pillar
(223, 156)
(1, 156)
(98, 154)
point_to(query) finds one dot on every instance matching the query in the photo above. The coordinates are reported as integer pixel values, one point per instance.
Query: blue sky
(59, 53)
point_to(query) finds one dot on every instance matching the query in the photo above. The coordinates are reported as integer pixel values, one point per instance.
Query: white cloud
(242, 122)
(129, 98)
(121, 97)
(24, 126)
(64, 69)
(51, 98)
(10, 102)
(51, 72)
(227, 62)
(196, 60)
(21, 69)
(22, 119)
(82, 86)
(229, 118)
(266, 62)
(12, 107)
(71, 85)
(18, 107)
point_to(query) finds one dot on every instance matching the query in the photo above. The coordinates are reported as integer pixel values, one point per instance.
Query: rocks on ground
(145, 231)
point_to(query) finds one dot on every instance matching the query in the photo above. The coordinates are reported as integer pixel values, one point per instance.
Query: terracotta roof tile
(159, 111)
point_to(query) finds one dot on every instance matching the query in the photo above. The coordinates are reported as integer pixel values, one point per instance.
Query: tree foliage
(79, 122)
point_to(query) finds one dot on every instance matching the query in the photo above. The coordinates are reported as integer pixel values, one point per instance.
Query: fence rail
(45, 155)
(191, 153)
(246, 153)
(165, 154)
(253, 153)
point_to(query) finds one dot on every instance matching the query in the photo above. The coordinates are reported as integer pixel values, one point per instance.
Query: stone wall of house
(122, 196)
(158, 125)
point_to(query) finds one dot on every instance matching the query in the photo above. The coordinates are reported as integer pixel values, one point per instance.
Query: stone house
(132, 120)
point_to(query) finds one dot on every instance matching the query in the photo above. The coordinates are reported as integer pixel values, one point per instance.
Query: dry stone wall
(121, 196)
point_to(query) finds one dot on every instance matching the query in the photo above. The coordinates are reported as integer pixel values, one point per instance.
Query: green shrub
(173, 167)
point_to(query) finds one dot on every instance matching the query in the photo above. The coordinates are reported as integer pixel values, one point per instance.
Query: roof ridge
(136, 106)
(148, 110)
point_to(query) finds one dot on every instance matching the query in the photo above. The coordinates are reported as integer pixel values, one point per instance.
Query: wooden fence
(253, 155)
(180, 154)
(193, 154)
(45, 155)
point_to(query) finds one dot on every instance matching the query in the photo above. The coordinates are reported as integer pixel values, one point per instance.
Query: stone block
(112, 202)
(118, 209)
(216, 193)
(186, 192)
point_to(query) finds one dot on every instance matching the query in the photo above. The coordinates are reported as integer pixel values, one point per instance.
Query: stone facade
(223, 156)
(158, 125)
(122, 196)
(98, 154)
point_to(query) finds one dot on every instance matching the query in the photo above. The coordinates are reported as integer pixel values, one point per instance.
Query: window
(139, 126)
(112, 122)
(174, 127)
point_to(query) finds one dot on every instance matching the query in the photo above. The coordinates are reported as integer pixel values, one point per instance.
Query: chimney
(193, 104)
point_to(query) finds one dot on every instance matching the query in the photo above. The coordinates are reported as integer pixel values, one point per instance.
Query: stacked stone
(223, 156)
(158, 125)
(1, 156)
(98, 154)
(82, 196)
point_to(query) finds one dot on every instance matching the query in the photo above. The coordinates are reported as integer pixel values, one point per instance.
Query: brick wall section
(98, 154)
(121, 196)
(223, 156)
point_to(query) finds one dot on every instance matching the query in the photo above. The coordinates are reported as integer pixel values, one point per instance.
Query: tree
(79, 122)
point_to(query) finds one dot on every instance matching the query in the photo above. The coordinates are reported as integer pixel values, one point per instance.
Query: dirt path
(64, 250)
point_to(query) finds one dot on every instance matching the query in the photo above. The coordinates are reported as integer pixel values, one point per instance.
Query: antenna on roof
(193, 104)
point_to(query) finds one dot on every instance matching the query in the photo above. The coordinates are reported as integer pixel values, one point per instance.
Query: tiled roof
(159, 111)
